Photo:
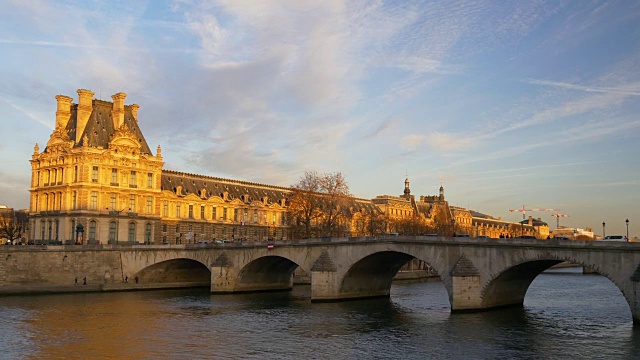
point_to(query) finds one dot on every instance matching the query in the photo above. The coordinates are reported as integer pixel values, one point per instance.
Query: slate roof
(214, 186)
(237, 189)
(100, 128)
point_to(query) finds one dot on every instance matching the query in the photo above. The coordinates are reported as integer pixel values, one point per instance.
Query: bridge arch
(266, 273)
(373, 274)
(179, 270)
(509, 287)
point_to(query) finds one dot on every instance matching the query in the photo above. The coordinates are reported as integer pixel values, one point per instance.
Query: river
(566, 315)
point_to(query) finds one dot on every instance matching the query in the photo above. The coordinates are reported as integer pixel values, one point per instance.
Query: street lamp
(627, 222)
(603, 224)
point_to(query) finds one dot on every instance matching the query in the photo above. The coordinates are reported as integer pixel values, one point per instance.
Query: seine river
(566, 316)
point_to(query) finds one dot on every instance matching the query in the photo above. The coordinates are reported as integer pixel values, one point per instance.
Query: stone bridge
(478, 274)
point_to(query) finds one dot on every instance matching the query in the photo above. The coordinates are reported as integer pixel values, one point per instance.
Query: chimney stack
(134, 111)
(118, 109)
(85, 107)
(64, 111)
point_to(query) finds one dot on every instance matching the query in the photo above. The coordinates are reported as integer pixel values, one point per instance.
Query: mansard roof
(237, 189)
(215, 186)
(100, 128)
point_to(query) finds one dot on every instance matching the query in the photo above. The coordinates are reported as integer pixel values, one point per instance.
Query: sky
(507, 104)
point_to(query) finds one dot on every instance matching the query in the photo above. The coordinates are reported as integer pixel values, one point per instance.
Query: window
(75, 200)
(75, 173)
(73, 229)
(178, 210)
(164, 227)
(202, 212)
(112, 201)
(114, 176)
(132, 179)
(224, 213)
(255, 215)
(149, 204)
(43, 227)
(112, 231)
(214, 215)
(245, 217)
(92, 230)
(149, 180)
(94, 174)
(132, 203)
(282, 218)
(132, 232)
(190, 211)
(165, 208)
(235, 214)
(177, 228)
(94, 200)
(147, 233)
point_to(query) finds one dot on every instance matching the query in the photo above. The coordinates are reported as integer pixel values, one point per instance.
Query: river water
(566, 316)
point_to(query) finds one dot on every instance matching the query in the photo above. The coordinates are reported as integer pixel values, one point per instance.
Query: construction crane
(524, 210)
(558, 216)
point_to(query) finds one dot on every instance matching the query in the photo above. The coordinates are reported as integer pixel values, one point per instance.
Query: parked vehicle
(615, 238)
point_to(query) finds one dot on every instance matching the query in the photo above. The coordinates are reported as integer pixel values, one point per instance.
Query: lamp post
(603, 234)
(627, 222)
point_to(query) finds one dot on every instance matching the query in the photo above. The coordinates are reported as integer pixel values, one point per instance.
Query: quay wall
(54, 266)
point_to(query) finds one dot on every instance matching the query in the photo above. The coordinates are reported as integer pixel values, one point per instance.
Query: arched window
(132, 232)
(92, 230)
(147, 233)
(112, 232)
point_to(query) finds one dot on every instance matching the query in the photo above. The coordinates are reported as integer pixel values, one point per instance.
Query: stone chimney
(118, 109)
(64, 111)
(134, 111)
(85, 107)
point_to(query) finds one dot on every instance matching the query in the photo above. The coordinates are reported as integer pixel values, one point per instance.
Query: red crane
(558, 216)
(524, 210)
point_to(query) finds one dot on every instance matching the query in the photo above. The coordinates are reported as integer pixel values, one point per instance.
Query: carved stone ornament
(59, 141)
(124, 141)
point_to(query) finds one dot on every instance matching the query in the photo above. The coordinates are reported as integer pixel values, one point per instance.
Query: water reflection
(564, 316)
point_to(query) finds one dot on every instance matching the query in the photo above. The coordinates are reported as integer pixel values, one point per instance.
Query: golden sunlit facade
(97, 182)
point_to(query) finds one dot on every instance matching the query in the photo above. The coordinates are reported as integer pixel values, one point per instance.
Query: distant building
(572, 233)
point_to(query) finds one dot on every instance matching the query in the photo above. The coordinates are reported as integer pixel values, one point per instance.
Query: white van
(614, 238)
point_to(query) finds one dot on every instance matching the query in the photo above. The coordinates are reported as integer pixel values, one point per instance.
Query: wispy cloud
(631, 89)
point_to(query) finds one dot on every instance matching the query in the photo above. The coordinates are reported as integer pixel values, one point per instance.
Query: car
(621, 238)
(526, 237)
(461, 235)
(561, 238)
(483, 237)
(203, 242)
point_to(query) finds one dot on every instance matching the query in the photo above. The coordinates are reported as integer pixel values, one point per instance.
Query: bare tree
(318, 204)
(304, 206)
(12, 224)
(335, 196)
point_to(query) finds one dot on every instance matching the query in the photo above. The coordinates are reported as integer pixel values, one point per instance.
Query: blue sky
(507, 104)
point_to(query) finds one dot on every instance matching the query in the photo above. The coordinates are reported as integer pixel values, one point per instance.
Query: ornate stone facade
(97, 181)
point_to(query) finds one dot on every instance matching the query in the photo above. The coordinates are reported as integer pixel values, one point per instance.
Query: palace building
(97, 181)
